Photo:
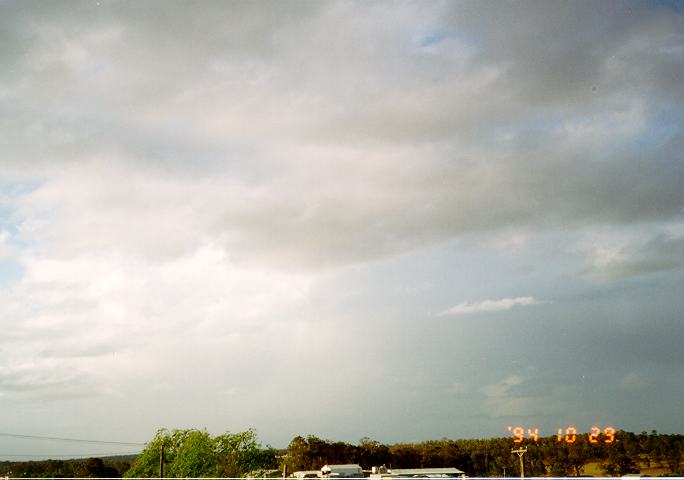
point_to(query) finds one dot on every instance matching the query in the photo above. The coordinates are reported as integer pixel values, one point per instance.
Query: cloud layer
(348, 145)
(236, 199)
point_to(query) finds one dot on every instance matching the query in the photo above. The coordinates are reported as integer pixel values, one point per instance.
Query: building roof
(418, 472)
(345, 465)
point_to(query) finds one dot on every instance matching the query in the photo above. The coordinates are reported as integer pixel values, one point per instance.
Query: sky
(396, 220)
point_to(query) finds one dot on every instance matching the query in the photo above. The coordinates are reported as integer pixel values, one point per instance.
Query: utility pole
(521, 452)
(161, 462)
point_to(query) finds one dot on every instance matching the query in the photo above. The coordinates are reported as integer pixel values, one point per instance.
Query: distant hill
(120, 458)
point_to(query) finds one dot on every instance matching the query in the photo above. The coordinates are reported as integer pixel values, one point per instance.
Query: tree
(405, 456)
(618, 461)
(241, 453)
(90, 468)
(673, 445)
(579, 455)
(373, 453)
(561, 466)
(194, 453)
(297, 454)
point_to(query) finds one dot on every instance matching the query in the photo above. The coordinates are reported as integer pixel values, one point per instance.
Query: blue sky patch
(10, 272)
(431, 39)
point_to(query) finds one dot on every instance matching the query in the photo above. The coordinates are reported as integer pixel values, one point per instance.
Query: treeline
(87, 468)
(195, 453)
(492, 457)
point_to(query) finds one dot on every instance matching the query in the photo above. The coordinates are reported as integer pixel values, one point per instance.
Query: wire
(71, 456)
(62, 439)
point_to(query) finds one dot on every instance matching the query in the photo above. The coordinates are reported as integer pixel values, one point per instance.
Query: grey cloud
(660, 253)
(559, 51)
(192, 168)
(360, 87)
(305, 217)
(526, 63)
(474, 134)
(20, 382)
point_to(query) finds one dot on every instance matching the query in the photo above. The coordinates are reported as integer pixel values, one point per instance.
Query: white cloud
(519, 395)
(634, 381)
(499, 305)
(123, 314)
(506, 398)
(503, 387)
(630, 252)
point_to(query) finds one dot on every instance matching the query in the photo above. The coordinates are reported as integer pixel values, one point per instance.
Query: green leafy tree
(238, 454)
(194, 453)
(147, 463)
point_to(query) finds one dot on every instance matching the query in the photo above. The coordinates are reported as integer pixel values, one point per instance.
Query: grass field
(652, 470)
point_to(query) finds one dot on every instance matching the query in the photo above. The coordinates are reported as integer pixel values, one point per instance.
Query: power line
(76, 440)
(74, 456)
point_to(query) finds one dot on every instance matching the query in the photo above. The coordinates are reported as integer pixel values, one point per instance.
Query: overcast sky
(398, 220)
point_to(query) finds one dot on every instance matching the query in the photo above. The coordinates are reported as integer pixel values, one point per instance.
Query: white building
(349, 470)
(420, 473)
